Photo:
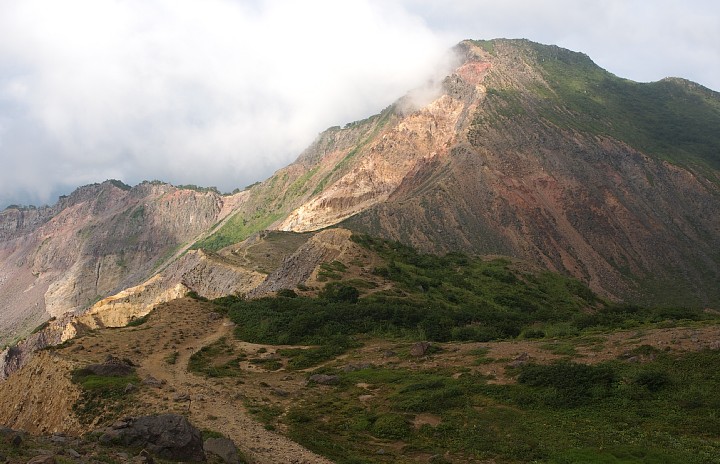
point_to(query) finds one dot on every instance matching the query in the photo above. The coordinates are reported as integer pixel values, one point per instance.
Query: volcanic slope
(530, 151)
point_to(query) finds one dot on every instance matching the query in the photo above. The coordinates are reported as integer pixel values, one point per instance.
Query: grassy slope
(674, 119)
(660, 410)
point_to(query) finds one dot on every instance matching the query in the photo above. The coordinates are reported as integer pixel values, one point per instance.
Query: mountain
(523, 150)
(382, 348)
(556, 199)
(530, 151)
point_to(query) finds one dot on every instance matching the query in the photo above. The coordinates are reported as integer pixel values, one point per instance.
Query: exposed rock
(224, 448)
(112, 367)
(356, 367)
(153, 382)
(520, 360)
(99, 240)
(144, 458)
(420, 349)
(42, 459)
(168, 436)
(325, 246)
(181, 398)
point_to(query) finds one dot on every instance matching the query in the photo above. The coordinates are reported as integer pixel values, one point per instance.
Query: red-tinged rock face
(473, 72)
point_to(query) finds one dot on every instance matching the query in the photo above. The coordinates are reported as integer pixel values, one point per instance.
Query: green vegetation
(238, 228)
(172, 357)
(139, 321)
(196, 188)
(674, 119)
(647, 406)
(659, 411)
(102, 397)
(120, 184)
(449, 298)
(333, 270)
(216, 360)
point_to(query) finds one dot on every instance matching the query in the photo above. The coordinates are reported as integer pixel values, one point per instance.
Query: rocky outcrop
(168, 436)
(224, 448)
(211, 275)
(325, 246)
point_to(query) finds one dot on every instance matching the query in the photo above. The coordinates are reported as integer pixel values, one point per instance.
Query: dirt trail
(217, 406)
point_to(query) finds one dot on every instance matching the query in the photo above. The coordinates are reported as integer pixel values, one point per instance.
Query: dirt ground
(163, 345)
(184, 326)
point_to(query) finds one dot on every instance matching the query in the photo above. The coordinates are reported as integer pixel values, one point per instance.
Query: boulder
(420, 349)
(168, 436)
(224, 448)
(42, 459)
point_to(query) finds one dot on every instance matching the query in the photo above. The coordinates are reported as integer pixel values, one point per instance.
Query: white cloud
(637, 39)
(217, 92)
(223, 92)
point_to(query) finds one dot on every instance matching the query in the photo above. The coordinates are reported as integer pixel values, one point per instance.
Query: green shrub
(569, 384)
(340, 293)
(286, 293)
(653, 380)
(391, 426)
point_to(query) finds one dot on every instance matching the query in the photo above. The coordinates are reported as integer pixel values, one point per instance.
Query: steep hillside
(96, 242)
(535, 152)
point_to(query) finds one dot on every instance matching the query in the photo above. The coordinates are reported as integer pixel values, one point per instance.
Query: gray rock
(520, 360)
(42, 459)
(356, 367)
(324, 379)
(181, 398)
(72, 453)
(153, 382)
(58, 439)
(168, 436)
(420, 349)
(223, 448)
(143, 458)
(129, 388)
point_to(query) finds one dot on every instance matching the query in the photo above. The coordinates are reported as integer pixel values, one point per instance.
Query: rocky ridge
(98, 241)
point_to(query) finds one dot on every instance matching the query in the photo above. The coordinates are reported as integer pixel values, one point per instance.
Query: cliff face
(94, 243)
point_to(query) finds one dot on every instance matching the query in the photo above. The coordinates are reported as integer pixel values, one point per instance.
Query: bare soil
(162, 347)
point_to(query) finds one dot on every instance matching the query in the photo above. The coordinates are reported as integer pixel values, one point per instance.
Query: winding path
(217, 406)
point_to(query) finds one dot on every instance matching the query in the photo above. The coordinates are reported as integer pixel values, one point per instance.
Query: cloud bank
(224, 92)
(212, 92)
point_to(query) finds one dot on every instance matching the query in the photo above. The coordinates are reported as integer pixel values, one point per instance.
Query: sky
(224, 92)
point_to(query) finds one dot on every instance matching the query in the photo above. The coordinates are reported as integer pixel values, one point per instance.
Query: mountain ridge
(497, 158)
